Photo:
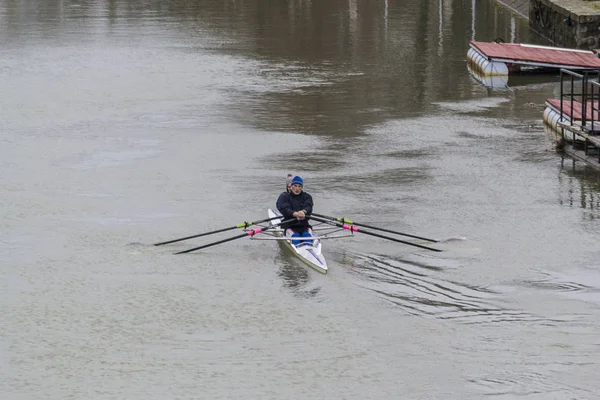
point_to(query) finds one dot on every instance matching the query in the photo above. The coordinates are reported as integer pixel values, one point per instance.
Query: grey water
(125, 123)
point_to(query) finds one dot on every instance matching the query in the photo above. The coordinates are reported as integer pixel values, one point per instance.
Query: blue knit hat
(297, 181)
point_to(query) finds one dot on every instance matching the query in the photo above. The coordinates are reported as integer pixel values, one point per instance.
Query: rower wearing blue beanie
(296, 204)
(297, 181)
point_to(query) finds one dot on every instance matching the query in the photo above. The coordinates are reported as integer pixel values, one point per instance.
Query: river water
(124, 123)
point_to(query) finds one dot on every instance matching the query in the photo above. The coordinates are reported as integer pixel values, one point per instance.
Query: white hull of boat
(309, 253)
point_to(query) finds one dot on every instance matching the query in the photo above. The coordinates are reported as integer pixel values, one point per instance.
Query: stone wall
(568, 23)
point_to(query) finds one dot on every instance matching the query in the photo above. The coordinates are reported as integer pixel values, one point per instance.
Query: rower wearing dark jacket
(296, 204)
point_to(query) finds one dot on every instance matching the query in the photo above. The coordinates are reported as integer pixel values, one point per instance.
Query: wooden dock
(493, 59)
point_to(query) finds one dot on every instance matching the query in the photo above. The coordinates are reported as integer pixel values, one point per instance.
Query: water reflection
(353, 56)
(294, 274)
(345, 65)
(579, 187)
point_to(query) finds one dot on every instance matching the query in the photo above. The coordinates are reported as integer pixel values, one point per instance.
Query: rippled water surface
(125, 123)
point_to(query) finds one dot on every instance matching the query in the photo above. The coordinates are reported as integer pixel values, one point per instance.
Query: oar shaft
(250, 233)
(347, 221)
(353, 228)
(242, 225)
(213, 244)
(392, 239)
(196, 236)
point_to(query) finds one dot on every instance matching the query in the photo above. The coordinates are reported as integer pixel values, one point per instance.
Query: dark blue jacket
(289, 203)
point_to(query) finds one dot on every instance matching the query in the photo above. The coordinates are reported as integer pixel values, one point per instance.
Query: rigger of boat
(309, 249)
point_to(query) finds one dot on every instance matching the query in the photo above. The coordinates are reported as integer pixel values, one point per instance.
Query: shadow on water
(309, 161)
(389, 177)
(294, 274)
(416, 154)
(411, 286)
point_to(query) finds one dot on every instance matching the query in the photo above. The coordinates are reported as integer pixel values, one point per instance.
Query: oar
(242, 225)
(352, 228)
(347, 221)
(251, 233)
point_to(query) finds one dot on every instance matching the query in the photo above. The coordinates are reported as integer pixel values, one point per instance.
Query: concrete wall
(568, 23)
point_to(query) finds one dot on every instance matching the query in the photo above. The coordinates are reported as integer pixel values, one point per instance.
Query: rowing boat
(309, 249)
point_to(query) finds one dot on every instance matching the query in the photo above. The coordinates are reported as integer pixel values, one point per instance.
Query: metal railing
(587, 97)
(588, 100)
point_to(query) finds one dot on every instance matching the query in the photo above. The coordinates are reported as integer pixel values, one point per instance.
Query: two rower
(296, 203)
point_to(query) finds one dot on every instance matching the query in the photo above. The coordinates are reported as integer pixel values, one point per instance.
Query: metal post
(573, 134)
(584, 100)
(562, 130)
